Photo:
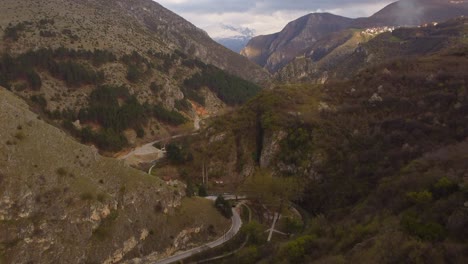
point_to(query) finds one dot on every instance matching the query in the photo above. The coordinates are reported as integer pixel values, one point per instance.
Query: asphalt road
(235, 227)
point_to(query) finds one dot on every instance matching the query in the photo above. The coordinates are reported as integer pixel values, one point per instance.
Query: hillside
(122, 27)
(61, 202)
(414, 13)
(56, 54)
(351, 51)
(381, 156)
(273, 51)
(318, 31)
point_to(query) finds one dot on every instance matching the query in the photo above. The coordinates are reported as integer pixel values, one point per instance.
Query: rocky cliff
(61, 202)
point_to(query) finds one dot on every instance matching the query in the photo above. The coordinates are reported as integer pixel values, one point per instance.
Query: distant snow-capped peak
(223, 31)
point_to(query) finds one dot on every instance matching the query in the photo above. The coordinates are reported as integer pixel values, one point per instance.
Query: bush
(177, 154)
(247, 255)
(61, 171)
(133, 73)
(183, 105)
(12, 32)
(414, 226)
(223, 206)
(295, 250)
(255, 231)
(39, 100)
(424, 197)
(444, 187)
(202, 191)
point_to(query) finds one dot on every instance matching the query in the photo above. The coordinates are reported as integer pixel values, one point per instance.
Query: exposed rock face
(60, 202)
(271, 148)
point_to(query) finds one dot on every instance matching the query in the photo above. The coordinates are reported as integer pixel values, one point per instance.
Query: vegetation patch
(229, 88)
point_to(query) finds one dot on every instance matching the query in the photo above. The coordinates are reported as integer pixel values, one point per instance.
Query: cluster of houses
(377, 30)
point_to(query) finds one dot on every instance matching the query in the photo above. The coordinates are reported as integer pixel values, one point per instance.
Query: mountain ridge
(262, 50)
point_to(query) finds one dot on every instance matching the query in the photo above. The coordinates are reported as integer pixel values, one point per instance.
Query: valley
(130, 136)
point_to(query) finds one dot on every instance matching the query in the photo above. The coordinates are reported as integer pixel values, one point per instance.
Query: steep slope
(273, 51)
(122, 26)
(414, 13)
(276, 50)
(382, 156)
(357, 49)
(58, 53)
(61, 202)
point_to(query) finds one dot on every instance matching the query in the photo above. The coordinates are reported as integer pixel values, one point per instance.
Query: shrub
(20, 135)
(202, 191)
(61, 171)
(444, 187)
(183, 105)
(178, 154)
(295, 250)
(423, 197)
(223, 206)
(86, 196)
(255, 231)
(424, 230)
(39, 100)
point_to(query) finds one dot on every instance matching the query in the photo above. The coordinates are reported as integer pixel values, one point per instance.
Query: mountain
(382, 155)
(273, 51)
(159, 68)
(233, 38)
(137, 24)
(351, 51)
(263, 51)
(61, 202)
(414, 13)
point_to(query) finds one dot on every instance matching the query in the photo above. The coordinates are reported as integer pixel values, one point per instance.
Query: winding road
(235, 227)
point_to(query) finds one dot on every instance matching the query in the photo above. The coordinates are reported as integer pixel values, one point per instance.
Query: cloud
(263, 16)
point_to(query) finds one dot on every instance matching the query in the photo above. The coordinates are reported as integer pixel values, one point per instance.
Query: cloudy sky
(263, 16)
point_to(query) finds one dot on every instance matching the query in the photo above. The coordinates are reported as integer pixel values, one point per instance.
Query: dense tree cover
(104, 108)
(170, 117)
(178, 154)
(106, 139)
(275, 192)
(61, 63)
(193, 95)
(135, 66)
(182, 105)
(12, 70)
(229, 88)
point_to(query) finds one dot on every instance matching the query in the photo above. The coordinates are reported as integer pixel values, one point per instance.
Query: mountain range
(275, 51)
(352, 149)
